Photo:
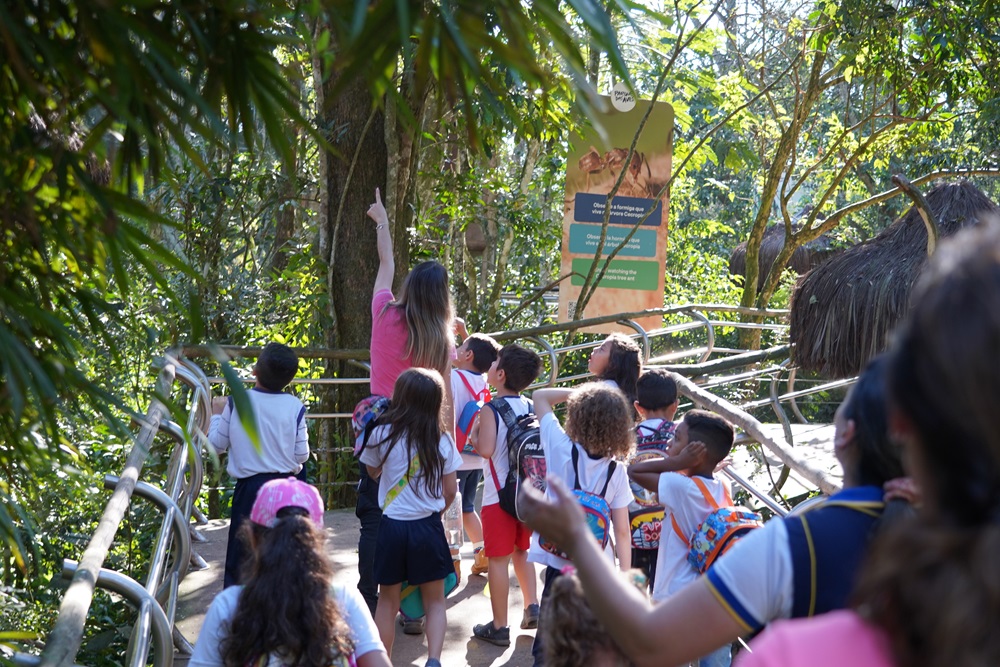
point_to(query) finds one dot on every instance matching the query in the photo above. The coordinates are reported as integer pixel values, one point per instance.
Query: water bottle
(453, 524)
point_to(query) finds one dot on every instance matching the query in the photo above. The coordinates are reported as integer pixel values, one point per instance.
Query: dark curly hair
(286, 605)
(600, 419)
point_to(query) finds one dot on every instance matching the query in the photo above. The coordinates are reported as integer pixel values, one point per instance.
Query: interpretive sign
(634, 278)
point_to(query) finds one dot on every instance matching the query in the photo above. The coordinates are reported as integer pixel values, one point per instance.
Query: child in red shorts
(505, 538)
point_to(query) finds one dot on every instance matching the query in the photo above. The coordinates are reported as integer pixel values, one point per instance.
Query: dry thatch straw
(843, 311)
(804, 258)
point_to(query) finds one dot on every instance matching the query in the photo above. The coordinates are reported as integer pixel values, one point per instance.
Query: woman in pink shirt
(930, 593)
(414, 330)
(417, 328)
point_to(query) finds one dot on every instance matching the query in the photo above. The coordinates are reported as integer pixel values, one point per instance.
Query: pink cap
(278, 494)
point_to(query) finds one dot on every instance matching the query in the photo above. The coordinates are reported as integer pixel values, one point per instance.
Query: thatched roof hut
(805, 257)
(843, 311)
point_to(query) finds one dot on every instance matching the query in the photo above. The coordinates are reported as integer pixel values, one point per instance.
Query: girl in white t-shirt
(288, 612)
(414, 458)
(599, 435)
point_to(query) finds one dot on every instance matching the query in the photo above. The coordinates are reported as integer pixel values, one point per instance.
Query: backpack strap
(576, 472)
(394, 492)
(711, 501)
(493, 472)
(506, 413)
(478, 395)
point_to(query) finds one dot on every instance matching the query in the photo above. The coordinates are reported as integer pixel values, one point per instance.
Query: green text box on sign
(583, 240)
(622, 274)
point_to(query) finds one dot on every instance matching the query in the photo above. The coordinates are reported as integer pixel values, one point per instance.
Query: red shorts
(502, 533)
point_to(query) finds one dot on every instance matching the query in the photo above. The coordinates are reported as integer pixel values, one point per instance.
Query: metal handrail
(156, 602)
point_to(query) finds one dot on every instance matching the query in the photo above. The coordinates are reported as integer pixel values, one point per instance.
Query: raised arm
(544, 399)
(647, 473)
(675, 632)
(386, 265)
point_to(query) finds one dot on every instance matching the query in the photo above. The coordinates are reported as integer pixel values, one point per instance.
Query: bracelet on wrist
(378, 227)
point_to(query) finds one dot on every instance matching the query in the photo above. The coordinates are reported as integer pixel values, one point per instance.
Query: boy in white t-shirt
(701, 441)
(599, 433)
(505, 537)
(281, 431)
(468, 384)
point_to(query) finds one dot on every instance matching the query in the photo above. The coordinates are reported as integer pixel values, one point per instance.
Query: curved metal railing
(156, 600)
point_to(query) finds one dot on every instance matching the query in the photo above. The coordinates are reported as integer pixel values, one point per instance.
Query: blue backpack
(467, 417)
(595, 508)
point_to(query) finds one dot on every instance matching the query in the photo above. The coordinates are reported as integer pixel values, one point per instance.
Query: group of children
(603, 451)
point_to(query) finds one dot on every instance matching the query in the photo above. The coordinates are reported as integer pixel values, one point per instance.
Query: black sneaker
(493, 635)
(530, 619)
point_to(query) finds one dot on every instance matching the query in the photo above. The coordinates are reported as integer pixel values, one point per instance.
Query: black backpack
(525, 458)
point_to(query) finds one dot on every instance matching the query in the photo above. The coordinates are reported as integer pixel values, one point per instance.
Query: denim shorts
(468, 486)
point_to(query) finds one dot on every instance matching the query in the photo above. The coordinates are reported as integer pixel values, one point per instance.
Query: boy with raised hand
(505, 538)
(281, 431)
(684, 481)
(468, 385)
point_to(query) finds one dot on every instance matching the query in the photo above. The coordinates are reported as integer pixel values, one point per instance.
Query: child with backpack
(656, 402)
(688, 491)
(414, 458)
(599, 429)
(505, 537)
(468, 387)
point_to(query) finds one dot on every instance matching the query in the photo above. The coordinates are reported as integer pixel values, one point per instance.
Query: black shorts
(413, 551)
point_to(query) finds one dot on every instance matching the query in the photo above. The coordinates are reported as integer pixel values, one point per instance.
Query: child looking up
(656, 402)
(468, 384)
(505, 537)
(617, 361)
(599, 429)
(684, 482)
(281, 430)
(289, 611)
(414, 458)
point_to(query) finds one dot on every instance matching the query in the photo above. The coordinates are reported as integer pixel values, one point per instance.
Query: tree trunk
(347, 243)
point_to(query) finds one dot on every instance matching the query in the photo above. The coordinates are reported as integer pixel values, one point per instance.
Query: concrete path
(467, 606)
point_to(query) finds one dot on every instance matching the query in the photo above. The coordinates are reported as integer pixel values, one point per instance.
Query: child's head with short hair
(515, 369)
(656, 390)
(571, 634)
(709, 429)
(477, 353)
(600, 419)
(276, 366)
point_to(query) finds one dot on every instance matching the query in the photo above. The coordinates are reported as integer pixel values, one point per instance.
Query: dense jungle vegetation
(184, 171)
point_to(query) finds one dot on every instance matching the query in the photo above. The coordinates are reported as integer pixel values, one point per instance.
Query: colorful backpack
(364, 418)
(595, 508)
(718, 532)
(645, 513)
(525, 458)
(467, 417)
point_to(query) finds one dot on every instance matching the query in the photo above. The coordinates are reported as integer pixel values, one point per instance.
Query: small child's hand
(902, 488)
(219, 404)
(460, 329)
(691, 455)
(723, 464)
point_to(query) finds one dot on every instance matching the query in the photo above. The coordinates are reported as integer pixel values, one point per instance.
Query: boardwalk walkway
(467, 606)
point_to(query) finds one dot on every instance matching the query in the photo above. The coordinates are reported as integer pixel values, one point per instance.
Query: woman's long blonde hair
(426, 303)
